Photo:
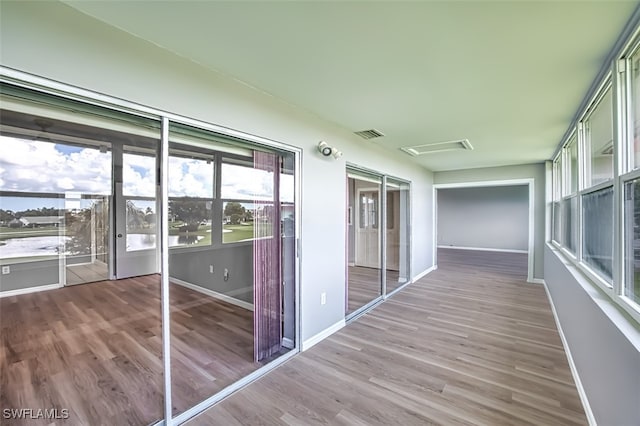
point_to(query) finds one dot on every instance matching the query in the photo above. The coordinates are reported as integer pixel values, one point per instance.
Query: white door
(368, 229)
(135, 214)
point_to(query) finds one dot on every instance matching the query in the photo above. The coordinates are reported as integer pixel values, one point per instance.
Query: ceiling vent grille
(462, 144)
(369, 134)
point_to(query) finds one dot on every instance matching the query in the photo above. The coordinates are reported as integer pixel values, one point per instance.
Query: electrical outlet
(211, 269)
(6, 270)
(323, 298)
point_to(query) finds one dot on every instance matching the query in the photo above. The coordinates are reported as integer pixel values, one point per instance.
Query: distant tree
(190, 212)
(43, 211)
(235, 212)
(6, 215)
(78, 228)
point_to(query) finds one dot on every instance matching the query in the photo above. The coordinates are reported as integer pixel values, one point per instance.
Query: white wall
(54, 41)
(525, 171)
(603, 341)
(485, 217)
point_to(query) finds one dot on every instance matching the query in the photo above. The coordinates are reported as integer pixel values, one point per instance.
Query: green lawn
(238, 233)
(48, 231)
(203, 231)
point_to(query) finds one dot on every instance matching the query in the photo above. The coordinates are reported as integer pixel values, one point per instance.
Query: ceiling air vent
(437, 147)
(369, 134)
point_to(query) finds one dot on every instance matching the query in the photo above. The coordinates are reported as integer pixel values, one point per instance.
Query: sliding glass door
(398, 234)
(378, 238)
(157, 285)
(364, 240)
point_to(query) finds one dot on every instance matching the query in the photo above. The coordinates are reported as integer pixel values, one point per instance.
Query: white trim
(424, 273)
(484, 249)
(288, 343)
(537, 281)
(322, 335)
(215, 294)
(28, 290)
(572, 366)
(234, 387)
(530, 182)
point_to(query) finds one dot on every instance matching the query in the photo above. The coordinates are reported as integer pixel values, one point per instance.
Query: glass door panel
(364, 277)
(136, 214)
(397, 229)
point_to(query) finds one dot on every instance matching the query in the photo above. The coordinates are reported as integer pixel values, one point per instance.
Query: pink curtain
(267, 275)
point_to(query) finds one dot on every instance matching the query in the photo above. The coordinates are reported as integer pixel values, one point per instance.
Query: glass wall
(232, 214)
(398, 234)
(81, 214)
(93, 341)
(598, 216)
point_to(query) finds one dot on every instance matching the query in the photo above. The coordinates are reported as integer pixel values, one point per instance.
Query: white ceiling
(508, 76)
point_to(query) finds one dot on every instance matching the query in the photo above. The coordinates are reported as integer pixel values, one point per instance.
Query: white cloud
(36, 166)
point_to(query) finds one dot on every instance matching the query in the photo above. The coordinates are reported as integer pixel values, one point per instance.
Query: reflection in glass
(570, 223)
(141, 224)
(398, 259)
(238, 221)
(632, 241)
(364, 277)
(597, 231)
(599, 139)
(572, 151)
(232, 296)
(93, 343)
(634, 149)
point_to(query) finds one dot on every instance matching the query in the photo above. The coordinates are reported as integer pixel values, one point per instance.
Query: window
(632, 242)
(247, 194)
(569, 209)
(556, 191)
(190, 197)
(570, 167)
(598, 141)
(634, 116)
(597, 231)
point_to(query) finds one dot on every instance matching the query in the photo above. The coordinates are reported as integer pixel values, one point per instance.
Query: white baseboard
(484, 249)
(424, 273)
(288, 343)
(351, 264)
(536, 281)
(574, 371)
(215, 294)
(322, 335)
(28, 290)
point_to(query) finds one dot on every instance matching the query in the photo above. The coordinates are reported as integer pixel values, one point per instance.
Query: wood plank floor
(87, 273)
(95, 349)
(469, 344)
(364, 286)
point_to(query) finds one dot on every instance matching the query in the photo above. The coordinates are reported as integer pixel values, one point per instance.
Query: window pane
(597, 231)
(570, 223)
(141, 224)
(599, 139)
(246, 183)
(190, 177)
(635, 109)
(557, 220)
(632, 242)
(190, 222)
(238, 221)
(573, 166)
(139, 175)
